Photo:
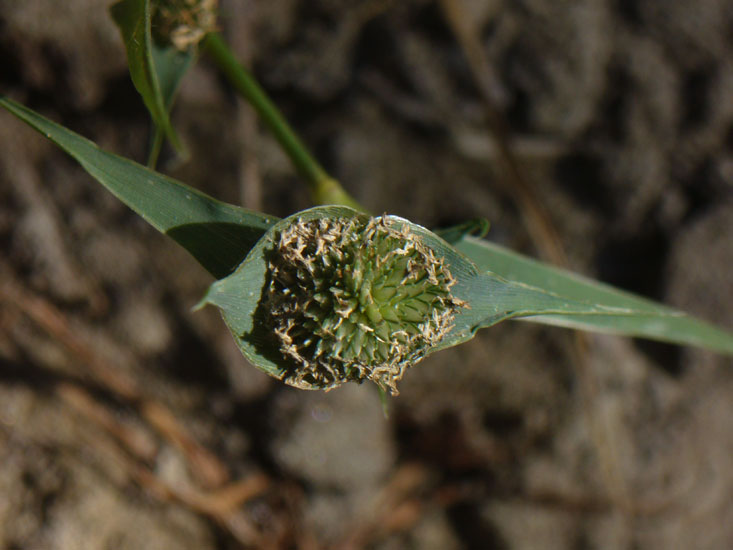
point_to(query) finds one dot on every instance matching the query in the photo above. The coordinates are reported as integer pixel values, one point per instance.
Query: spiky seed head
(182, 23)
(357, 299)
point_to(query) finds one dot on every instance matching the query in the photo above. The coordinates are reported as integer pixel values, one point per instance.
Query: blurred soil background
(594, 132)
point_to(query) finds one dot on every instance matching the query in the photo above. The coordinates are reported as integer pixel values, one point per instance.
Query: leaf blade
(217, 234)
(133, 20)
(645, 318)
(170, 67)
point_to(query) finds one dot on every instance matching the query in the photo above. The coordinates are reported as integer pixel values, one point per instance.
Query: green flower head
(355, 298)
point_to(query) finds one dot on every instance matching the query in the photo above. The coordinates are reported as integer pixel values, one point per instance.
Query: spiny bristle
(354, 299)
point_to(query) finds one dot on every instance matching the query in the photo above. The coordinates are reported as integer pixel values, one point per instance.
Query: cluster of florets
(356, 299)
(183, 23)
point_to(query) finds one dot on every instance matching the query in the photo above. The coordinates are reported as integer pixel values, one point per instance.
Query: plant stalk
(324, 188)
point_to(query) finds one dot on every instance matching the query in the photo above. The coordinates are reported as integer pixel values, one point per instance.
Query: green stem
(155, 147)
(324, 188)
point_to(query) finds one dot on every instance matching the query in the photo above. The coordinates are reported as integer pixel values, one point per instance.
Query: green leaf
(170, 66)
(645, 318)
(217, 234)
(155, 72)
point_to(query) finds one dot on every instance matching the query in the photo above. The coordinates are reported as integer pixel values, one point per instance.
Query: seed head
(356, 299)
(182, 23)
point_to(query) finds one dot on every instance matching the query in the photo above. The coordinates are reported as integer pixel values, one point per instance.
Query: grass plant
(332, 294)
